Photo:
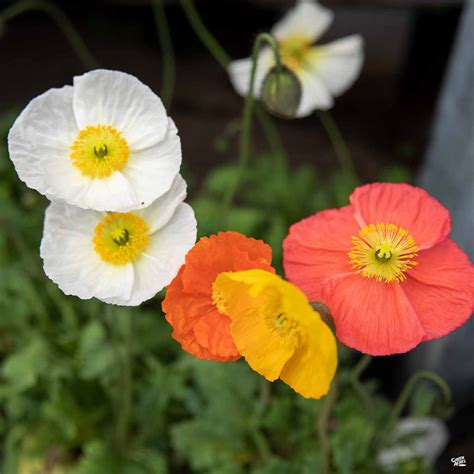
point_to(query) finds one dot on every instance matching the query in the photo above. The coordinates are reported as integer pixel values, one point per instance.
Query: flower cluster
(107, 156)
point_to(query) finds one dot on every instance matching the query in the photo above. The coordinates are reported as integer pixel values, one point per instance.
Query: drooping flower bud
(281, 92)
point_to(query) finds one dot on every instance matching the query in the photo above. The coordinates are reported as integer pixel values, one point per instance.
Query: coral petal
(316, 248)
(406, 206)
(440, 288)
(373, 317)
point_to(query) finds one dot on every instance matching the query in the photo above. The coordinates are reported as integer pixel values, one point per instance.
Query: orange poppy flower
(189, 306)
(385, 267)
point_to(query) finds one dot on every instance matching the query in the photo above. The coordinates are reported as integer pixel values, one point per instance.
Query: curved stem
(408, 390)
(244, 152)
(204, 34)
(322, 427)
(223, 59)
(167, 52)
(359, 388)
(338, 143)
(62, 22)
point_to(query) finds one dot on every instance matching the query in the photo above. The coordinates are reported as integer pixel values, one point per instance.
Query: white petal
(315, 95)
(70, 260)
(160, 211)
(162, 260)
(151, 172)
(306, 19)
(339, 63)
(64, 181)
(240, 70)
(45, 129)
(121, 100)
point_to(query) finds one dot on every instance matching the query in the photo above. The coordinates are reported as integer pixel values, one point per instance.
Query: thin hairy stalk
(244, 148)
(338, 143)
(61, 21)
(408, 390)
(167, 53)
(223, 59)
(359, 387)
(322, 419)
(206, 37)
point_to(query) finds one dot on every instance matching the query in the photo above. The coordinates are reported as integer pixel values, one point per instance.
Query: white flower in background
(119, 258)
(104, 143)
(325, 71)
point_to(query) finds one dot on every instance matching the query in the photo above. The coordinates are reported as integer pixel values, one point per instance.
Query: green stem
(338, 143)
(121, 327)
(244, 151)
(61, 20)
(167, 52)
(204, 34)
(359, 388)
(223, 59)
(322, 427)
(408, 390)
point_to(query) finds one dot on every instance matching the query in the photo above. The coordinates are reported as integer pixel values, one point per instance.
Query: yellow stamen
(99, 150)
(295, 51)
(383, 251)
(121, 238)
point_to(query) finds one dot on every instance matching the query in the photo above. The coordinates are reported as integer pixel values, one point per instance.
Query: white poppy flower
(120, 258)
(104, 143)
(324, 71)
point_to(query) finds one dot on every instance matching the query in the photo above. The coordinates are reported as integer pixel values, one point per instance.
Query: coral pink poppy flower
(385, 268)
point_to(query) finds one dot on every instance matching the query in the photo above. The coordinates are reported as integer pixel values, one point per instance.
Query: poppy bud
(281, 92)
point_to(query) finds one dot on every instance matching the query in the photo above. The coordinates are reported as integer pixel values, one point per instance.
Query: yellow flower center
(121, 238)
(383, 251)
(99, 150)
(295, 51)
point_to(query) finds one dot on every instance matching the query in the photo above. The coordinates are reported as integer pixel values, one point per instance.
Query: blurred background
(63, 359)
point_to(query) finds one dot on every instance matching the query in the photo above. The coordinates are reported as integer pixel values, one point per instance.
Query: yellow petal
(312, 368)
(243, 296)
(302, 351)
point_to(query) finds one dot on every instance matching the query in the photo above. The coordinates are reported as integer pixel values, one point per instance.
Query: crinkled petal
(160, 212)
(307, 18)
(64, 181)
(440, 288)
(312, 367)
(262, 348)
(373, 317)
(70, 259)
(224, 252)
(241, 69)
(213, 332)
(151, 171)
(406, 206)
(316, 248)
(338, 64)
(122, 101)
(162, 259)
(315, 94)
(43, 131)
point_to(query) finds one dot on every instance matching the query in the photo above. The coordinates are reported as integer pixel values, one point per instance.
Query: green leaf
(95, 356)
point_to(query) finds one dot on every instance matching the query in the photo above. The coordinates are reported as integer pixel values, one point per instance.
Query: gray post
(448, 174)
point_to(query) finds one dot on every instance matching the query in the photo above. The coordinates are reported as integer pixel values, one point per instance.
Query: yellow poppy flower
(277, 331)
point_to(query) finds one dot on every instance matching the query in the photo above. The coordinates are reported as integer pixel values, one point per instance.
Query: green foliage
(91, 389)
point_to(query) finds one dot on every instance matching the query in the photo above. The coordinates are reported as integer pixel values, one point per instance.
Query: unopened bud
(281, 92)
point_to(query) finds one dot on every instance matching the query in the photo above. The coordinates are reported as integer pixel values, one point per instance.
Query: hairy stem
(408, 390)
(167, 53)
(338, 143)
(62, 22)
(359, 388)
(322, 427)
(244, 148)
